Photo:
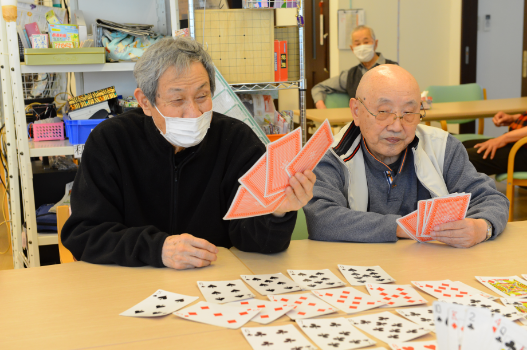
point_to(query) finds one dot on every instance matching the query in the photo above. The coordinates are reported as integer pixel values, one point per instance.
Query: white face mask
(186, 132)
(364, 52)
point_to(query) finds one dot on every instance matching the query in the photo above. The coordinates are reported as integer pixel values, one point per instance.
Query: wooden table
(439, 111)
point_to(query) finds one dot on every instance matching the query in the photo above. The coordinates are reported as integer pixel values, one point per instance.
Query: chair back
(337, 100)
(63, 213)
(455, 93)
(300, 231)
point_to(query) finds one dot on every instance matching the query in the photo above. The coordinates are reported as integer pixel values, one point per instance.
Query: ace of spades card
(270, 284)
(315, 279)
(160, 303)
(276, 337)
(221, 292)
(360, 275)
(388, 327)
(331, 333)
(423, 316)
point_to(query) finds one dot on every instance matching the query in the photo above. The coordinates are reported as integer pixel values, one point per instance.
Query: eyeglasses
(387, 118)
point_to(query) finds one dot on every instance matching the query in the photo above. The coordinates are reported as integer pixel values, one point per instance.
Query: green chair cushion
(337, 100)
(520, 175)
(300, 231)
(468, 137)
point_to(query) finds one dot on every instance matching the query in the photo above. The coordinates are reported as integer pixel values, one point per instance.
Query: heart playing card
(268, 284)
(388, 327)
(395, 295)
(217, 315)
(277, 337)
(415, 345)
(315, 279)
(254, 182)
(360, 275)
(331, 333)
(423, 316)
(269, 311)
(224, 291)
(512, 286)
(449, 289)
(306, 305)
(160, 303)
(349, 299)
(245, 205)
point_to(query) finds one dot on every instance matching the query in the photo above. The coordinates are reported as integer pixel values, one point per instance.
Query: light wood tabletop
(439, 111)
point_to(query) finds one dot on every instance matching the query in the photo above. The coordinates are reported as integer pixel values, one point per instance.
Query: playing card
(456, 323)
(217, 315)
(409, 224)
(221, 292)
(423, 316)
(441, 323)
(495, 308)
(506, 335)
(349, 299)
(421, 207)
(477, 323)
(315, 279)
(395, 295)
(275, 283)
(360, 275)
(518, 304)
(524, 277)
(388, 327)
(160, 303)
(415, 345)
(244, 205)
(449, 289)
(446, 209)
(279, 154)
(269, 311)
(306, 305)
(254, 182)
(332, 333)
(313, 151)
(277, 337)
(512, 286)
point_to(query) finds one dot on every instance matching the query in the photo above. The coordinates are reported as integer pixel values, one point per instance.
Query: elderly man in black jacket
(155, 183)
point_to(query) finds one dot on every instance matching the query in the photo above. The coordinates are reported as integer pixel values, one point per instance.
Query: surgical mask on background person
(186, 132)
(364, 52)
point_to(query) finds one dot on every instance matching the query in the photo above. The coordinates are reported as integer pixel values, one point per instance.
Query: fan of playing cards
(263, 187)
(433, 212)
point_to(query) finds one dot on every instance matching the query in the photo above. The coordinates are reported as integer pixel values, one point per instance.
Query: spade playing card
(415, 345)
(160, 303)
(270, 284)
(332, 333)
(269, 311)
(349, 299)
(506, 311)
(227, 316)
(388, 327)
(306, 305)
(221, 292)
(277, 337)
(315, 279)
(395, 295)
(512, 286)
(423, 316)
(449, 289)
(360, 275)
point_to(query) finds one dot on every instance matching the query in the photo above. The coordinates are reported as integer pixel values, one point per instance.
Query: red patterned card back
(244, 205)
(254, 182)
(445, 210)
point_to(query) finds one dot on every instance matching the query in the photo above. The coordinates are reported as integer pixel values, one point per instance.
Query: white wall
(499, 58)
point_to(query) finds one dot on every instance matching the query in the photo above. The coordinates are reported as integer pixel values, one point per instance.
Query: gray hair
(361, 27)
(180, 53)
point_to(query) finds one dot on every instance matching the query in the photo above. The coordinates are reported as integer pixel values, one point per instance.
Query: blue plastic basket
(79, 130)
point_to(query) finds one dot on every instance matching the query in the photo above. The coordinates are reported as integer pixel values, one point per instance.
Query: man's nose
(396, 125)
(193, 110)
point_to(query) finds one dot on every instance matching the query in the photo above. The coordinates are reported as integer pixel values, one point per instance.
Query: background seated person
(492, 156)
(155, 183)
(384, 162)
(363, 45)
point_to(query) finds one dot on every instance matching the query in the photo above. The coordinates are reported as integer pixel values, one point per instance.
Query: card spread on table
(269, 311)
(244, 205)
(449, 289)
(423, 316)
(275, 283)
(495, 308)
(160, 303)
(415, 345)
(360, 275)
(276, 337)
(279, 154)
(388, 327)
(224, 291)
(349, 299)
(306, 305)
(227, 316)
(334, 333)
(315, 279)
(395, 295)
(512, 286)
(254, 182)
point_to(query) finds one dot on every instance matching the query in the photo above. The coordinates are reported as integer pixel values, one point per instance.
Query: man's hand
(491, 146)
(401, 233)
(187, 252)
(320, 105)
(461, 234)
(298, 193)
(504, 119)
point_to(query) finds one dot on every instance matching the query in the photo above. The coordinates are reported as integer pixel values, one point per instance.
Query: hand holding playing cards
(186, 252)
(298, 193)
(462, 233)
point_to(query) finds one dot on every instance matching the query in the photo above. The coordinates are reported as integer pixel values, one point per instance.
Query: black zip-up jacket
(131, 192)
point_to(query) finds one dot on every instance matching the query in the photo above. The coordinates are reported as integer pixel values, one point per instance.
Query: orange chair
(63, 213)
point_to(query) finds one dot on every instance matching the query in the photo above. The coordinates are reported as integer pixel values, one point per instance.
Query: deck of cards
(263, 187)
(432, 212)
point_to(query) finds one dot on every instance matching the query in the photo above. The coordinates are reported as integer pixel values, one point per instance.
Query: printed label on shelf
(77, 150)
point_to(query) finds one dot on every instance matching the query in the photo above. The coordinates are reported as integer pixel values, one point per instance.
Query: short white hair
(361, 27)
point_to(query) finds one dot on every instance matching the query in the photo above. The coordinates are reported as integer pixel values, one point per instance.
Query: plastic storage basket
(47, 132)
(79, 130)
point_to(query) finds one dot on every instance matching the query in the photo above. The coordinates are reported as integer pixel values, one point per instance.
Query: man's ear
(354, 106)
(376, 44)
(143, 102)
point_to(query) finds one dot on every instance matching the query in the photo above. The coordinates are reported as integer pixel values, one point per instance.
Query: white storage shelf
(48, 238)
(79, 68)
(50, 148)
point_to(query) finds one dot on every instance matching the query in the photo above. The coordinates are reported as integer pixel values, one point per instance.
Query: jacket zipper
(172, 200)
(175, 190)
